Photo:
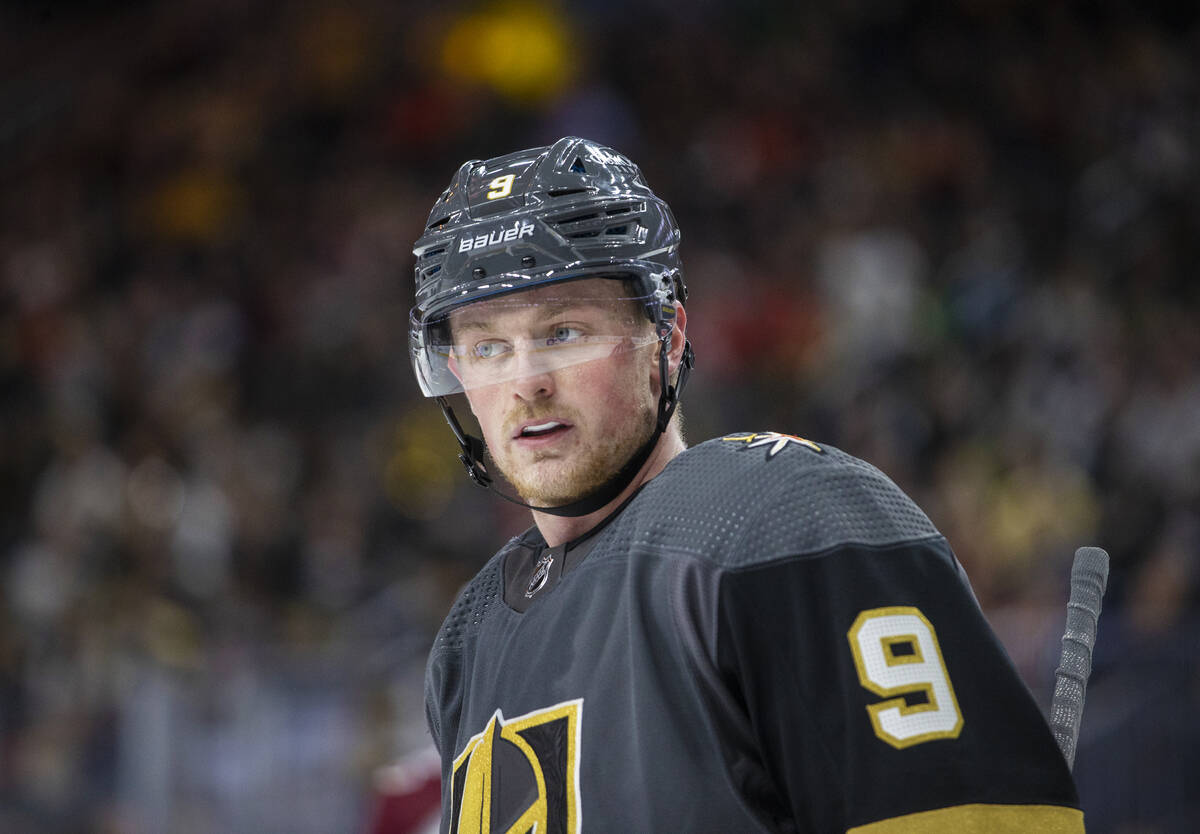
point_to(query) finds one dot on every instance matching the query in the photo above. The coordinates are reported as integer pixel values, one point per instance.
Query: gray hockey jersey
(769, 636)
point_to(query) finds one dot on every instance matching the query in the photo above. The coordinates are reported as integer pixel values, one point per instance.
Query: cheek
(621, 388)
(485, 406)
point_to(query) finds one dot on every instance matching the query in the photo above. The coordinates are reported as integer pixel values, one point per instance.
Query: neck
(557, 529)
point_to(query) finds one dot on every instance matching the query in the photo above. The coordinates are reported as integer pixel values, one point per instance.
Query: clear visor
(511, 337)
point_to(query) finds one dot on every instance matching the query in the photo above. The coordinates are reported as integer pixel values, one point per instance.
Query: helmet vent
(577, 166)
(437, 224)
(616, 230)
(432, 252)
(563, 192)
(578, 218)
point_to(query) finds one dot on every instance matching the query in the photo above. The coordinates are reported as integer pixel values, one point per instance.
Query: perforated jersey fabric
(737, 504)
(472, 604)
(721, 501)
(698, 669)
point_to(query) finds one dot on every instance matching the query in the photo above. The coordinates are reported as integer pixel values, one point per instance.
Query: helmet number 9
(501, 186)
(897, 656)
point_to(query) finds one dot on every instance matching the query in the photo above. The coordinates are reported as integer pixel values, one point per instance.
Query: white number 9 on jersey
(897, 656)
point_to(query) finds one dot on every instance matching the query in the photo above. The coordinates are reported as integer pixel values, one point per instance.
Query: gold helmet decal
(520, 775)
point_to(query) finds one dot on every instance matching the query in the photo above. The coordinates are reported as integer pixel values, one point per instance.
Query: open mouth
(547, 428)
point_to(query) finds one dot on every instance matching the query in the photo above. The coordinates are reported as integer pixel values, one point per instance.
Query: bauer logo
(519, 229)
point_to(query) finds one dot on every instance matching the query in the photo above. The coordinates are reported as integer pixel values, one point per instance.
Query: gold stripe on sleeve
(982, 819)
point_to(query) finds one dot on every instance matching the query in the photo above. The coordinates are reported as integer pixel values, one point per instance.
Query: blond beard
(586, 470)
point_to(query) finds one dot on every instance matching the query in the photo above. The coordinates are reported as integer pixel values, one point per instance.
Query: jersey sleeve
(879, 701)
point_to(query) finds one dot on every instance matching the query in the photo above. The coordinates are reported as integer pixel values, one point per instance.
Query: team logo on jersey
(520, 775)
(773, 439)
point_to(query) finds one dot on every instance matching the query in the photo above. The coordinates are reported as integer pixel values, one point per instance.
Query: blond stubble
(581, 471)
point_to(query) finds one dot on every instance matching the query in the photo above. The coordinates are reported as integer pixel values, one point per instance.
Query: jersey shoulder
(475, 601)
(752, 497)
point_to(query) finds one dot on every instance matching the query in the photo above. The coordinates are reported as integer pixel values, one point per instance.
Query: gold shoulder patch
(774, 440)
(982, 819)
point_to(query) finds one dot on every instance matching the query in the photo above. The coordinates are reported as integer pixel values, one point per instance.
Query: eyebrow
(468, 325)
(549, 309)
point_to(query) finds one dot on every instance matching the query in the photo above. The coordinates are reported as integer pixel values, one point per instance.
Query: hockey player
(760, 633)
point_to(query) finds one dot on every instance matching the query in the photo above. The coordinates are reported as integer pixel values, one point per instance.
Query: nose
(534, 380)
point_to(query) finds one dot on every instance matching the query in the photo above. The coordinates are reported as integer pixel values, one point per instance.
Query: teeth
(541, 427)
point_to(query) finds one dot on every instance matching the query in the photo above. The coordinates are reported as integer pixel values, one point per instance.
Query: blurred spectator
(956, 241)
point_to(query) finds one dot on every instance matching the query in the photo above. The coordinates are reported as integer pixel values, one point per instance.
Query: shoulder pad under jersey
(752, 497)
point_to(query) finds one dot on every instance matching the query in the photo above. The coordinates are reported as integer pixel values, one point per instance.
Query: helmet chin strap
(473, 448)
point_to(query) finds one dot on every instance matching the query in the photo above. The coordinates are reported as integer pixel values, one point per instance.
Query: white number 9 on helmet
(501, 186)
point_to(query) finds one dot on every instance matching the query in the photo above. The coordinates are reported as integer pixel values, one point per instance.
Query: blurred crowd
(954, 239)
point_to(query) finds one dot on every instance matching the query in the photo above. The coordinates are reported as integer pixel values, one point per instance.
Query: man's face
(559, 424)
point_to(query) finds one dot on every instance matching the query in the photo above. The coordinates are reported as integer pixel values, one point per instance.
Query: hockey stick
(1089, 576)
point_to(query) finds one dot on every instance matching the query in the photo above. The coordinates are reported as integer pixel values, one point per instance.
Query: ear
(678, 339)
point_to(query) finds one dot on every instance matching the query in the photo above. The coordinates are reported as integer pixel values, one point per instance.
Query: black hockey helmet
(569, 211)
(572, 210)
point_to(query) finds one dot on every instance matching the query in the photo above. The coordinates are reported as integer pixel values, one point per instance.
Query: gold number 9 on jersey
(898, 658)
(501, 186)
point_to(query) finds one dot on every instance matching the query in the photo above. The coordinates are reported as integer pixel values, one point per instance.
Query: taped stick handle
(1089, 577)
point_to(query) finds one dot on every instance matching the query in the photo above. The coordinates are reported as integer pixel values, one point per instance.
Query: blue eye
(564, 334)
(490, 349)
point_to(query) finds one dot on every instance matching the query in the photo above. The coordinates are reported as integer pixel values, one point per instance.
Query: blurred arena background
(957, 239)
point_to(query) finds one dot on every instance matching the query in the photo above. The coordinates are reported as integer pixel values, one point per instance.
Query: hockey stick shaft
(1089, 577)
